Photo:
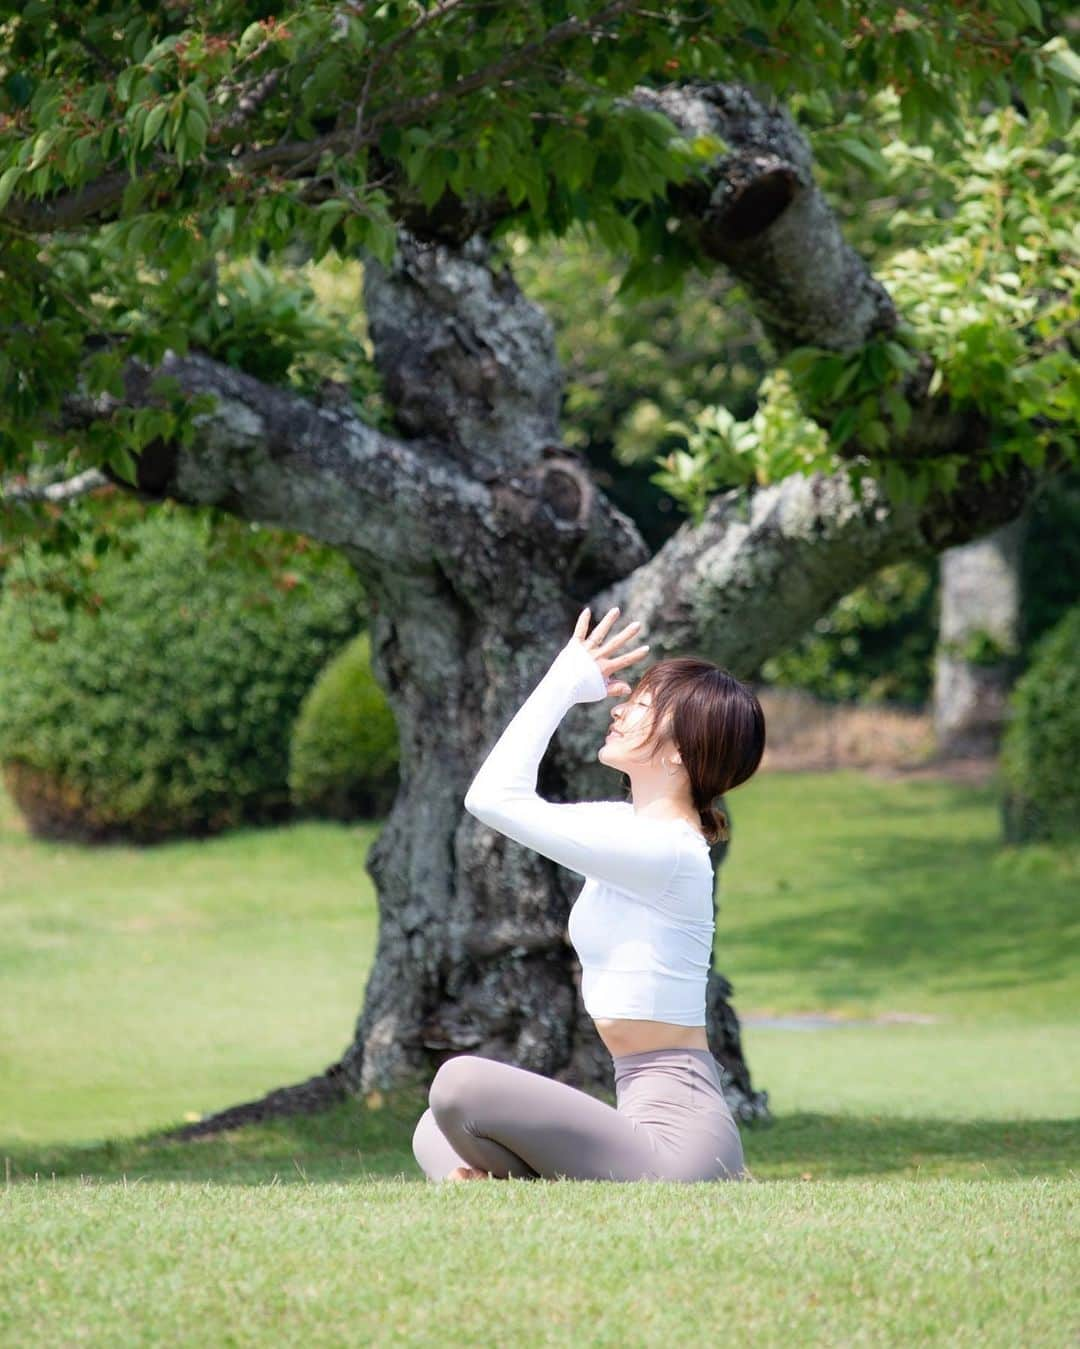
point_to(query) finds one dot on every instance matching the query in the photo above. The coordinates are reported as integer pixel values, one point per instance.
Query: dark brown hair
(716, 723)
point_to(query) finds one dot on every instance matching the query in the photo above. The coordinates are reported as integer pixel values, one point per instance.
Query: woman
(642, 927)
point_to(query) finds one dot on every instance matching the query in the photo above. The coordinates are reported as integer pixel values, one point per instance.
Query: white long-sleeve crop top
(642, 924)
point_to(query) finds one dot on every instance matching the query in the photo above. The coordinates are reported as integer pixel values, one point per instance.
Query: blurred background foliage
(1038, 751)
(167, 709)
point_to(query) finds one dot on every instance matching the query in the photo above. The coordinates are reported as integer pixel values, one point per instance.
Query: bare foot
(468, 1173)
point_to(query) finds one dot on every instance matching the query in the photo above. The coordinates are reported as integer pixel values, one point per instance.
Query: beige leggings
(670, 1122)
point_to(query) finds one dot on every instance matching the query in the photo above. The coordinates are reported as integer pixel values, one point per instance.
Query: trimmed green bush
(167, 712)
(1041, 744)
(344, 755)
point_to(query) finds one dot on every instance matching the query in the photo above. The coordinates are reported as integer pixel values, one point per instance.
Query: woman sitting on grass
(642, 927)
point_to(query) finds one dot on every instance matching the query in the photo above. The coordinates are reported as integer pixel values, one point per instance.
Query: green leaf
(390, 139)
(153, 123)
(7, 183)
(195, 128)
(878, 362)
(197, 98)
(95, 100)
(41, 147)
(1065, 62)
(1059, 108)
(607, 170)
(875, 434)
(250, 39)
(357, 36)
(899, 408)
(895, 482)
(122, 463)
(1032, 11)
(842, 428)
(431, 182)
(861, 153)
(836, 391)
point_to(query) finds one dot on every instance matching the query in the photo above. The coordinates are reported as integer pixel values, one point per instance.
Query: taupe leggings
(670, 1122)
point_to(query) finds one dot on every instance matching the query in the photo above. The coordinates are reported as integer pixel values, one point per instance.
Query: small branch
(56, 492)
(251, 100)
(439, 11)
(99, 56)
(492, 74)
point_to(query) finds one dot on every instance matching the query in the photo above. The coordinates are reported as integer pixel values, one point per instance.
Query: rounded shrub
(344, 754)
(1041, 743)
(168, 710)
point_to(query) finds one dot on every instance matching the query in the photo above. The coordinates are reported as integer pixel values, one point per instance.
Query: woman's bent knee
(422, 1125)
(450, 1085)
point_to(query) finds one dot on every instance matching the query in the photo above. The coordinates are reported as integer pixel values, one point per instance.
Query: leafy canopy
(146, 147)
(983, 265)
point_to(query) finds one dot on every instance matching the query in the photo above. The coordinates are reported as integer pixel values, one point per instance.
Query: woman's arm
(634, 855)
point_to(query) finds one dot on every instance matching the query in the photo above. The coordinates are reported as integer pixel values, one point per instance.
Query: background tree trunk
(979, 635)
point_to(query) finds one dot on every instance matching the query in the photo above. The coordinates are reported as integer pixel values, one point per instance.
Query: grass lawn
(916, 1187)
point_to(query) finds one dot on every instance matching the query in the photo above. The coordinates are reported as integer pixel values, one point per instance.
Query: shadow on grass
(352, 1143)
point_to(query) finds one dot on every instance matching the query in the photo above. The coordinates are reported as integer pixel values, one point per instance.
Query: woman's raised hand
(602, 647)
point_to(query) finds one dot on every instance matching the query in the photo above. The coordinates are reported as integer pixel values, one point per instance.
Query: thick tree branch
(268, 454)
(760, 213)
(758, 571)
(762, 566)
(391, 505)
(464, 355)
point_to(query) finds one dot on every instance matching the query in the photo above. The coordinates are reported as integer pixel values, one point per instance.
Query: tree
(135, 155)
(979, 636)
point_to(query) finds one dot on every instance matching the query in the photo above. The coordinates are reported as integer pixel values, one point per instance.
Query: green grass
(861, 893)
(143, 985)
(862, 1263)
(917, 1185)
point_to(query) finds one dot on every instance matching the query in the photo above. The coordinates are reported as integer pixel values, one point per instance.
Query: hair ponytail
(715, 824)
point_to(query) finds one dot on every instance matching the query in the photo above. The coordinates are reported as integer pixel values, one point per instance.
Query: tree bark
(480, 538)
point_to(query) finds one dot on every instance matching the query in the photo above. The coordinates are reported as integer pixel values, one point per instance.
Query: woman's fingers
(603, 648)
(627, 658)
(600, 632)
(631, 630)
(599, 639)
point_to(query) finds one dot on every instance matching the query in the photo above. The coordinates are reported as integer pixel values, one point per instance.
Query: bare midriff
(621, 1035)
